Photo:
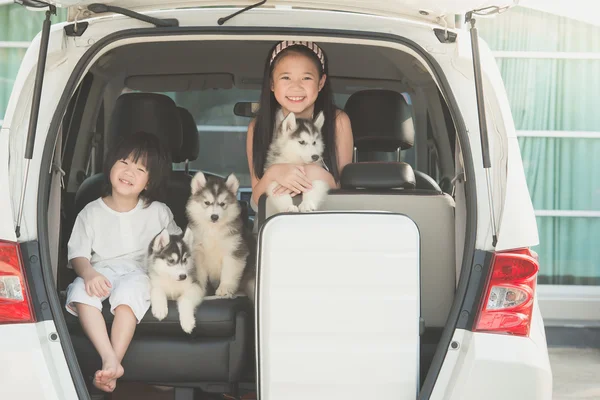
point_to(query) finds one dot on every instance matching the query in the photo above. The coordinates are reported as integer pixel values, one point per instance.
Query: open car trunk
(340, 291)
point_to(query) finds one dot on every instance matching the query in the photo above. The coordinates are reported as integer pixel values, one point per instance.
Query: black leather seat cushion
(217, 350)
(378, 175)
(215, 317)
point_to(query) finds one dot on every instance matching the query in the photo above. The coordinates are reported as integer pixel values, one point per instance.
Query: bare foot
(106, 378)
(106, 387)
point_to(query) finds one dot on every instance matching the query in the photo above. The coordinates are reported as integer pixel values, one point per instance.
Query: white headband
(288, 43)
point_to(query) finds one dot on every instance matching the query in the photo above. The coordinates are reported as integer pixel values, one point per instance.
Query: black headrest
(378, 175)
(149, 112)
(381, 120)
(190, 146)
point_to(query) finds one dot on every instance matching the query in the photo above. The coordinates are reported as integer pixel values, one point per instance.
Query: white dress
(116, 244)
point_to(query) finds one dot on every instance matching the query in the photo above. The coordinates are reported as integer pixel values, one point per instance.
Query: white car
(439, 296)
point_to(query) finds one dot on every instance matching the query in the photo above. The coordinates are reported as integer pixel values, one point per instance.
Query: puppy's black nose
(182, 277)
(214, 217)
(315, 157)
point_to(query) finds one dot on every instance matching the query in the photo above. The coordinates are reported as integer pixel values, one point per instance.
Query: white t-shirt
(118, 239)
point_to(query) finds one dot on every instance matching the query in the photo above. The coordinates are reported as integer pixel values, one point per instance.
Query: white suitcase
(337, 308)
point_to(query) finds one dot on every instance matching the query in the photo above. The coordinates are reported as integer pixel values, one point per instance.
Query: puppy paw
(188, 323)
(292, 209)
(307, 206)
(160, 311)
(225, 291)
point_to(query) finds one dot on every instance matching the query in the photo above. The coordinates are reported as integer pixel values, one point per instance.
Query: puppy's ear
(161, 241)
(188, 237)
(232, 183)
(198, 182)
(320, 120)
(289, 124)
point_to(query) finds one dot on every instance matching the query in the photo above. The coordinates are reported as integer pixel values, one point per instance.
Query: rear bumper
(494, 367)
(33, 365)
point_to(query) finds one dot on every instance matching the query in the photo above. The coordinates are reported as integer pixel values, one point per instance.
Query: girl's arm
(344, 140)
(96, 284)
(290, 176)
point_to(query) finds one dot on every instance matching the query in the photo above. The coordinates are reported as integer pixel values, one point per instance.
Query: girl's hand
(280, 190)
(97, 284)
(292, 177)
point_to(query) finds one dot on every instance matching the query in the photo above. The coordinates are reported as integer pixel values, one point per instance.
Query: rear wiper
(99, 8)
(222, 20)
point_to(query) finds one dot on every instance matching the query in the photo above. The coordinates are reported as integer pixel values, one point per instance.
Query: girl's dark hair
(148, 148)
(265, 118)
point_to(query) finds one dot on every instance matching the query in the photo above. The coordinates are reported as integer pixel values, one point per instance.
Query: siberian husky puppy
(173, 276)
(297, 141)
(223, 247)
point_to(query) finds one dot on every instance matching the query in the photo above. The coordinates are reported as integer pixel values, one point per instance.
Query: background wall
(551, 68)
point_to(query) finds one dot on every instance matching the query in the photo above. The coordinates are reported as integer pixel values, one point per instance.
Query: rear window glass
(222, 133)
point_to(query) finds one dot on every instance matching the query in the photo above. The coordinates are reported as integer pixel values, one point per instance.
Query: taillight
(508, 298)
(15, 301)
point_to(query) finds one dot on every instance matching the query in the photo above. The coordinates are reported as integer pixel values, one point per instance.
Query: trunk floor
(140, 391)
(135, 391)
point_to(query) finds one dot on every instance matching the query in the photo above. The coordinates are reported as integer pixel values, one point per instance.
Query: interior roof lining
(375, 65)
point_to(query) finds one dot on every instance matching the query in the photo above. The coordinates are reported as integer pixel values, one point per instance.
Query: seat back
(149, 112)
(190, 144)
(390, 186)
(433, 213)
(381, 121)
(180, 182)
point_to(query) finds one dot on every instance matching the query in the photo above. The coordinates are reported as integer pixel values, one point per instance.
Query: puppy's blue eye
(222, 204)
(302, 142)
(207, 203)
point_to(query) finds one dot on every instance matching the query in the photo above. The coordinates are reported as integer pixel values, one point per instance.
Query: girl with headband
(295, 80)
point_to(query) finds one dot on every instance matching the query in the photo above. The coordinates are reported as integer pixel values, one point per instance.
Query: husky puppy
(297, 141)
(173, 276)
(223, 247)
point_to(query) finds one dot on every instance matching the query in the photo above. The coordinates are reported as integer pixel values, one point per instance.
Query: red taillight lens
(508, 298)
(15, 301)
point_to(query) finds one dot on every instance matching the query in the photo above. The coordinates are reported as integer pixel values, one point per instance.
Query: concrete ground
(576, 373)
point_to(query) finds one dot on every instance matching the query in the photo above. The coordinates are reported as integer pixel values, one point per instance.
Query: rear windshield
(222, 133)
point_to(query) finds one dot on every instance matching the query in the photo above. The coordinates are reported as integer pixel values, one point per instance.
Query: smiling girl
(108, 245)
(295, 80)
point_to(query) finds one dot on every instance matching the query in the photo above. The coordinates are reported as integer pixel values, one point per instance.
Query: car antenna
(35, 109)
(99, 8)
(222, 20)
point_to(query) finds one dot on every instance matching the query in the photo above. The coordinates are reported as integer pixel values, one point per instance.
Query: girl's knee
(84, 307)
(124, 308)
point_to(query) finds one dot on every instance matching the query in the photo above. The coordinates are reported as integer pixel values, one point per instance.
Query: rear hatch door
(425, 10)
